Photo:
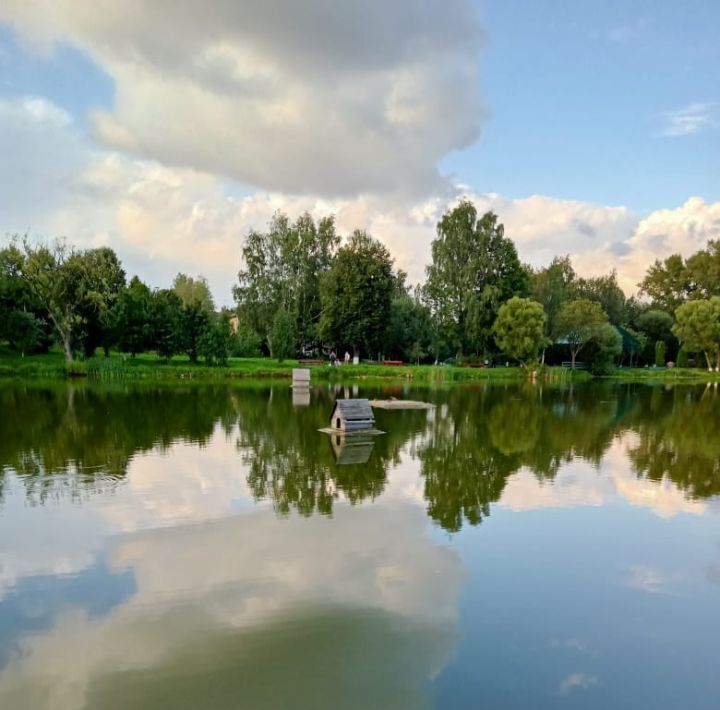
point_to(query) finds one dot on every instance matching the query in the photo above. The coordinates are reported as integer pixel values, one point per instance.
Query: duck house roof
(353, 410)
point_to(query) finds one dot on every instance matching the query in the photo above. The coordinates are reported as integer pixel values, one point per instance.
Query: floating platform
(343, 432)
(399, 404)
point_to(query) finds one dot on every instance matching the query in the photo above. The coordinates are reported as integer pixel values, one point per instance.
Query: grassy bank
(148, 367)
(675, 374)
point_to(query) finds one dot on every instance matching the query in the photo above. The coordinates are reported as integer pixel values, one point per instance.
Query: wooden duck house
(350, 415)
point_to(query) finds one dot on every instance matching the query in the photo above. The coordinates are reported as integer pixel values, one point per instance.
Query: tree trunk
(573, 355)
(709, 362)
(67, 347)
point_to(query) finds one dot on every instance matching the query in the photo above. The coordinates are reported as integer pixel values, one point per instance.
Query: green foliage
(190, 290)
(656, 324)
(282, 336)
(697, 327)
(579, 322)
(682, 358)
(215, 340)
(77, 289)
(667, 283)
(605, 291)
(552, 287)
(520, 329)
(22, 330)
(166, 323)
(673, 281)
(282, 269)
(357, 294)
(474, 270)
(410, 333)
(246, 342)
(660, 353)
(133, 322)
(102, 282)
(606, 345)
(192, 323)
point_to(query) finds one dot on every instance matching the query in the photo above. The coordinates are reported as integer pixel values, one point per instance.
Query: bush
(660, 353)
(682, 358)
(246, 342)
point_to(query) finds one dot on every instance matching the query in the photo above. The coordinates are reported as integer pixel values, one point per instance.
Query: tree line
(301, 292)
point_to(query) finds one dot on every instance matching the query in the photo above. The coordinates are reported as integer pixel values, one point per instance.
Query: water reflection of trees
(679, 441)
(467, 448)
(292, 464)
(93, 432)
(481, 437)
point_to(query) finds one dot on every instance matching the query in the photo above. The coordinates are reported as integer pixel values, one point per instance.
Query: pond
(207, 547)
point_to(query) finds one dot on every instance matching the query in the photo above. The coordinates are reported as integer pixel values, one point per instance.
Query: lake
(206, 547)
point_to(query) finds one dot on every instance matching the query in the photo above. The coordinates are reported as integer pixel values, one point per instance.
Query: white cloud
(282, 582)
(581, 483)
(312, 97)
(576, 681)
(163, 220)
(689, 119)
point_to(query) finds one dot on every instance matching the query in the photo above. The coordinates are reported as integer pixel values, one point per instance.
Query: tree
(282, 269)
(552, 287)
(190, 290)
(520, 329)
(356, 295)
(76, 289)
(605, 346)
(703, 269)
(166, 320)
(247, 342)
(656, 324)
(102, 282)
(410, 335)
(578, 323)
(667, 283)
(193, 321)
(697, 327)
(474, 270)
(20, 323)
(133, 318)
(659, 353)
(282, 336)
(605, 291)
(22, 330)
(214, 340)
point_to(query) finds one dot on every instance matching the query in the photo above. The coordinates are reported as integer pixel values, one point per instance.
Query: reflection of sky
(582, 591)
(232, 589)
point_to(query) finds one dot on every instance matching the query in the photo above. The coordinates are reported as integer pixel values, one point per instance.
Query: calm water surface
(207, 548)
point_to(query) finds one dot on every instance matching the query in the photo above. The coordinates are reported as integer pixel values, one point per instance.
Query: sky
(168, 130)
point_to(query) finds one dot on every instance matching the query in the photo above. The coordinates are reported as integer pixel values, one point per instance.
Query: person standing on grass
(333, 359)
(347, 357)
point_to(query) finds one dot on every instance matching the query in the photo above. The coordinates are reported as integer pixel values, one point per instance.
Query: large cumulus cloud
(311, 97)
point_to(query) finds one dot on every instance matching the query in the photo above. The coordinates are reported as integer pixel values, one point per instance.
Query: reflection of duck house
(351, 449)
(351, 415)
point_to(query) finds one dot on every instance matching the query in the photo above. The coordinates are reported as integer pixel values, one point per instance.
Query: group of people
(334, 360)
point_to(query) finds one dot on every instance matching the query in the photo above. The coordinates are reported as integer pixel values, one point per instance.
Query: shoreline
(147, 368)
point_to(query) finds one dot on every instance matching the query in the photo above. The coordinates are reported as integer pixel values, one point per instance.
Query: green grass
(675, 374)
(147, 367)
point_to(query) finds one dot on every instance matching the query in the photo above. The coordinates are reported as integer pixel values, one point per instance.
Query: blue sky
(591, 128)
(577, 93)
